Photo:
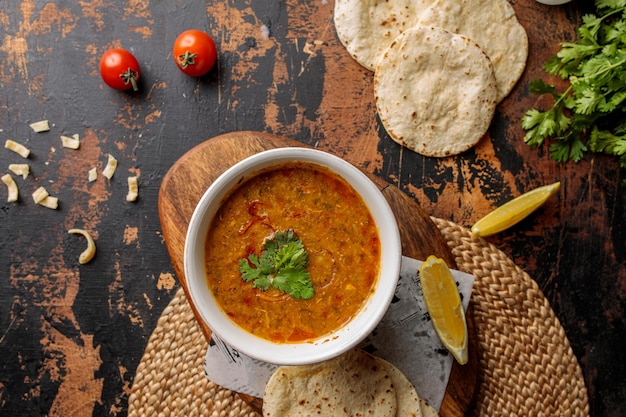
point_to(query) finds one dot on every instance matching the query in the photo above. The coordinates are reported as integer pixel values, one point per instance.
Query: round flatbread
(406, 396)
(367, 28)
(435, 91)
(353, 384)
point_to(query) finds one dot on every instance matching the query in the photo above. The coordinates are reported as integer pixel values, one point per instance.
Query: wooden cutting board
(191, 175)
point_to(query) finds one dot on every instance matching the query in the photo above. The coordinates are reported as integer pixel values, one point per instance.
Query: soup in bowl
(292, 256)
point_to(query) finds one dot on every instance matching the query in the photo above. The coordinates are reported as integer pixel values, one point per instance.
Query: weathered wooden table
(72, 335)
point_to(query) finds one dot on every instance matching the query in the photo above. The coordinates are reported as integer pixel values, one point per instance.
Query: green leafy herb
(590, 114)
(282, 265)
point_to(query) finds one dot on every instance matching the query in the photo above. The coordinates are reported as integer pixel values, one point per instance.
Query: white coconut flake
(110, 168)
(88, 254)
(11, 188)
(133, 189)
(50, 202)
(40, 126)
(18, 148)
(40, 194)
(20, 169)
(265, 32)
(70, 142)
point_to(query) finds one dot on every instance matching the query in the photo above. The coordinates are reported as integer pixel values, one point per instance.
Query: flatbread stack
(371, 31)
(353, 384)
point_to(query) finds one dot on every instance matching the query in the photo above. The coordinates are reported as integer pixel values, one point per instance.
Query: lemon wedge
(514, 211)
(444, 306)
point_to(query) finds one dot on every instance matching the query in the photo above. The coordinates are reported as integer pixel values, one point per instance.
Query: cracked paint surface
(72, 335)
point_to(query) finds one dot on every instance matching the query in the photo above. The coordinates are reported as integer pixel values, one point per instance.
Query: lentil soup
(337, 231)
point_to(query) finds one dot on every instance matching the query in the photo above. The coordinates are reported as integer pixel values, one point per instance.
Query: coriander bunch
(589, 114)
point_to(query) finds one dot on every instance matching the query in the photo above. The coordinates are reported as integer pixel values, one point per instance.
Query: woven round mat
(527, 367)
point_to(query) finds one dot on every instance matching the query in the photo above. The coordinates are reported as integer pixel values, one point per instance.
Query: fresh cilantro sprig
(282, 265)
(589, 116)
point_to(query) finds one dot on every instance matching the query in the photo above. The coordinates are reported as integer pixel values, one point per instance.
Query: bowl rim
(333, 344)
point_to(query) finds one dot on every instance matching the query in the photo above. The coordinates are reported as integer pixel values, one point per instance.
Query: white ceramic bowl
(553, 2)
(328, 346)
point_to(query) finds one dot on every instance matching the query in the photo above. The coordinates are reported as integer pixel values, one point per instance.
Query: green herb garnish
(282, 265)
(589, 114)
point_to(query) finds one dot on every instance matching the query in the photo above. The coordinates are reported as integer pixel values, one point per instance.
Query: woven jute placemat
(527, 367)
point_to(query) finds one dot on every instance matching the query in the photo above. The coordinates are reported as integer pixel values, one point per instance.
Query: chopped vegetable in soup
(338, 234)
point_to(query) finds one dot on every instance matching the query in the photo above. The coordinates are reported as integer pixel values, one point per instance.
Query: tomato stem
(186, 59)
(130, 76)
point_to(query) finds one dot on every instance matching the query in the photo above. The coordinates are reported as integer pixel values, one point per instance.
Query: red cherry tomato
(194, 52)
(119, 69)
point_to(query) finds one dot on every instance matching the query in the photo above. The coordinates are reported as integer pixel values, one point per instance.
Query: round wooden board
(191, 175)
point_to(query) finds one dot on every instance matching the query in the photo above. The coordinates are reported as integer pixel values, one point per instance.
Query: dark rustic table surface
(72, 335)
